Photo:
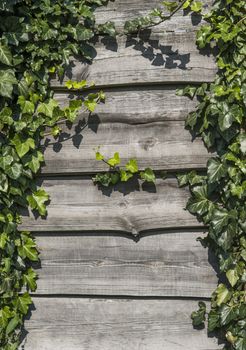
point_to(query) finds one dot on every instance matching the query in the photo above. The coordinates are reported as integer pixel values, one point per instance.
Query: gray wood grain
(138, 104)
(146, 123)
(114, 324)
(163, 264)
(77, 204)
(169, 57)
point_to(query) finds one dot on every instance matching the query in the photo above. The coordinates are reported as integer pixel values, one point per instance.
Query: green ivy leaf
(213, 320)
(26, 106)
(115, 160)
(240, 344)
(216, 170)
(108, 28)
(196, 6)
(90, 105)
(5, 55)
(22, 146)
(104, 179)
(5, 315)
(148, 175)
(125, 175)
(228, 314)
(4, 184)
(28, 250)
(203, 35)
(225, 240)
(99, 156)
(22, 303)
(132, 166)
(7, 80)
(83, 33)
(242, 141)
(3, 240)
(37, 201)
(14, 171)
(223, 294)
(232, 276)
(29, 278)
(198, 317)
(13, 323)
(221, 218)
(199, 203)
(47, 108)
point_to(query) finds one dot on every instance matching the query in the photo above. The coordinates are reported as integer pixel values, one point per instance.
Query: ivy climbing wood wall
(99, 286)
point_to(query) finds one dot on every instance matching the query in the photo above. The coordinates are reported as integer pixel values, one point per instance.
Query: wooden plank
(138, 105)
(169, 57)
(77, 205)
(164, 264)
(114, 324)
(147, 124)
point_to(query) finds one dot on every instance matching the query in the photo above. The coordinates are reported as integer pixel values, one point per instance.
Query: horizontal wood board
(114, 324)
(143, 123)
(163, 264)
(78, 205)
(159, 58)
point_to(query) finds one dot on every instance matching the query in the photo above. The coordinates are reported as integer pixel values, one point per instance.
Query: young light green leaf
(115, 160)
(148, 175)
(196, 6)
(26, 106)
(99, 156)
(125, 175)
(22, 146)
(132, 166)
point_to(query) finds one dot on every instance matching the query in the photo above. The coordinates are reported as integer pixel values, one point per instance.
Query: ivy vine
(218, 198)
(118, 173)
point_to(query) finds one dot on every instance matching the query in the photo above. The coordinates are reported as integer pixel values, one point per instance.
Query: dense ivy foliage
(37, 40)
(218, 198)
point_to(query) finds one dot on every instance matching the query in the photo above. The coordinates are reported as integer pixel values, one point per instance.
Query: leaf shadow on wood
(132, 185)
(73, 132)
(24, 332)
(157, 53)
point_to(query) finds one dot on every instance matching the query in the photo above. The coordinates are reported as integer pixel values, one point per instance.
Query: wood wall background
(99, 286)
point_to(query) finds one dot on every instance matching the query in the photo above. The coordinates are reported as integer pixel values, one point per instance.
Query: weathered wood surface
(138, 105)
(163, 264)
(114, 324)
(159, 58)
(77, 204)
(147, 124)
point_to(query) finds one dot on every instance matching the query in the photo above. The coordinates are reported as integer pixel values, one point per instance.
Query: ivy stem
(106, 163)
(241, 20)
(163, 19)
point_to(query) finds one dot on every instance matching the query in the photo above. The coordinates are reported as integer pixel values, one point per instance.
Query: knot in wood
(148, 143)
